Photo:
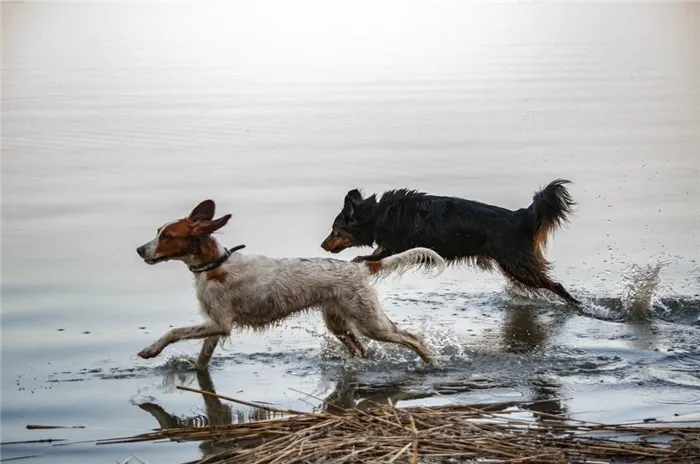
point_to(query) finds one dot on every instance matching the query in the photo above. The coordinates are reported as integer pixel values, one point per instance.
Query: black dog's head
(354, 226)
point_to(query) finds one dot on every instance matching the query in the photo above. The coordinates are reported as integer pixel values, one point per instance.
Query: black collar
(217, 262)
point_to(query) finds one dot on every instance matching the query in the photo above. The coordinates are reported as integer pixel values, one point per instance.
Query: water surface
(120, 117)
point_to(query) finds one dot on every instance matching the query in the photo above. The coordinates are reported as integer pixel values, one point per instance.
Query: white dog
(256, 291)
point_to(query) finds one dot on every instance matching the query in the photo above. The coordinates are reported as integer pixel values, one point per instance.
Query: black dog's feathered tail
(550, 208)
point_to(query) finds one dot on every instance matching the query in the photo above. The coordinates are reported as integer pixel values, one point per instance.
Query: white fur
(423, 258)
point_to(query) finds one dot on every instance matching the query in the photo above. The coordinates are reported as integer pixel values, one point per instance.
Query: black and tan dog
(459, 230)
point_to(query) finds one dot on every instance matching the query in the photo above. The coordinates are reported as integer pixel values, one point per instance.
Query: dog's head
(182, 238)
(354, 226)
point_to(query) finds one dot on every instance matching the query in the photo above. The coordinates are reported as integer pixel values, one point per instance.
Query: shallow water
(117, 118)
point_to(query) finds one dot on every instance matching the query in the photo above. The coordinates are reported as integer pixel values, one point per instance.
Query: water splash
(640, 299)
(598, 310)
(441, 341)
(640, 285)
(527, 296)
(180, 362)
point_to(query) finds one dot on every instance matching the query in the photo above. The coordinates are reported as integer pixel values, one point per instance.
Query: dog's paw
(149, 352)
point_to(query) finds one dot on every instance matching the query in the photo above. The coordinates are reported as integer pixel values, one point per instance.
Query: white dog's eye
(166, 236)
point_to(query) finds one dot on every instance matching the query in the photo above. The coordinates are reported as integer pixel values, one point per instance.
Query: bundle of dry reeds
(455, 433)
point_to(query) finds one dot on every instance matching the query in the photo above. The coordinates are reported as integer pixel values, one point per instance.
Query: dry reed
(457, 433)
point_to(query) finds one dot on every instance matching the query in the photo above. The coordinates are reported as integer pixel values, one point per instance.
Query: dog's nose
(141, 250)
(324, 245)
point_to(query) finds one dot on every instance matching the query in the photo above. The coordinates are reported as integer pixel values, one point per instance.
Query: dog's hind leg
(375, 324)
(559, 289)
(530, 274)
(338, 326)
(388, 332)
(357, 344)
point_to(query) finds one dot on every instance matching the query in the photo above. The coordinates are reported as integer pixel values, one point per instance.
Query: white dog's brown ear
(203, 211)
(210, 227)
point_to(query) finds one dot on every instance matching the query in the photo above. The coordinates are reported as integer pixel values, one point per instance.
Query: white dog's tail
(420, 258)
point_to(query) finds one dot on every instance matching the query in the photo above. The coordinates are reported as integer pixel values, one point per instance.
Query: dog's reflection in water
(348, 394)
(523, 332)
(216, 413)
(544, 402)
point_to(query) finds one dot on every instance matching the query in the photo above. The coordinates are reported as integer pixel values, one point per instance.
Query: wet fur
(461, 231)
(257, 292)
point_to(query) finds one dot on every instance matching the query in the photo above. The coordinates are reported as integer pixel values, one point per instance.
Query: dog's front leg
(208, 348)
(183, 333)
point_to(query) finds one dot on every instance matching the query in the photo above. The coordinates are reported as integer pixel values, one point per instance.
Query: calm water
(117, 118)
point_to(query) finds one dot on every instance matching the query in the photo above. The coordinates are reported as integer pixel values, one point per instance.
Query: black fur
(459, 230)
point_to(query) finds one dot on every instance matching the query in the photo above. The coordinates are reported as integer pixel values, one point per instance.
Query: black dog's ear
(352, 199)
(354, 195)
